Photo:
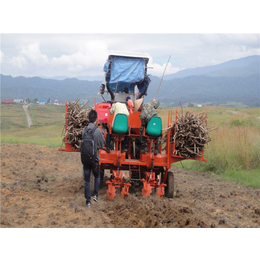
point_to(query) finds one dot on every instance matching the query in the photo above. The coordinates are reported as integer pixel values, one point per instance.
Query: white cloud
(2, 56)
(29, 59)
(18, 62)
(158, 69)
(76, 68)
(33, 54)
(214, 49)
(89, 59)
(85, 54)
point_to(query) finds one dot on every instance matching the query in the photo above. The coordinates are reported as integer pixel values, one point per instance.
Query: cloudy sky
(85, 54)
(161, 31)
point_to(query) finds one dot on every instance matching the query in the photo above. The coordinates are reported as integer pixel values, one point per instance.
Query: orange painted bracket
(152, 183)
(118, 178)
(149, 183)
(125, 190)
(147, 189)
(118, 181)
(160, 191)
(111, 191)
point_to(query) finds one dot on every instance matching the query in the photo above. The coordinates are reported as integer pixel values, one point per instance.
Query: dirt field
(42, 187)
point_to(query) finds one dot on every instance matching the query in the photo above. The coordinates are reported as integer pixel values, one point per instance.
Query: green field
(233, 153)
(46, 129)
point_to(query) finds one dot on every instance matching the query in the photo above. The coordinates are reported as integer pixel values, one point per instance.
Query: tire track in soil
(42, 187)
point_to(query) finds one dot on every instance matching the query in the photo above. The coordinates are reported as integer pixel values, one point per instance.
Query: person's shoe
(95, 198)
(107, 149)
(88, 203)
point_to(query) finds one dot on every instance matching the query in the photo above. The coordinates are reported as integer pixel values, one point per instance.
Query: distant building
(7, 101)
(18, 100)
(42, 101)
(199, 105)
(56, 102)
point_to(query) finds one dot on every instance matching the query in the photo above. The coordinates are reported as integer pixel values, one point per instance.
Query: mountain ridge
(247, 63)
(219, 84)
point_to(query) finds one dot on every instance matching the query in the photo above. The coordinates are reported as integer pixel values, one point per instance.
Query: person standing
(147, 110)
(99, 142)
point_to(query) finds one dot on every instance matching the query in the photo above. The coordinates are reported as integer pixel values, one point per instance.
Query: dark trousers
(143, 140)
(124, 141)
(108, 140)
(87, 172)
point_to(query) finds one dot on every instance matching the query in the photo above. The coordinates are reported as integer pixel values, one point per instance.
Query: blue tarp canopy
(131, 72)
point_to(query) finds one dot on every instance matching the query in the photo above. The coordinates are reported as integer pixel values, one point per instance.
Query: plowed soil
(42, 187)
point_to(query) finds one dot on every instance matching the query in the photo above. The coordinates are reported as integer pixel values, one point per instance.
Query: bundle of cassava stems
(191, 136)
(75, 121)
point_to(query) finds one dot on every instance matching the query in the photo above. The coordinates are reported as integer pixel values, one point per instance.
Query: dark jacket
(99, 139)
(148, 111)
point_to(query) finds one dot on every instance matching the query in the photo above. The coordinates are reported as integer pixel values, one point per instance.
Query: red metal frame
(147, 165)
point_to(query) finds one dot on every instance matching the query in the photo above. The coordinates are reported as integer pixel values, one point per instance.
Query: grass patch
(234, 151)
(239, 176)
(249, 121)
(46, 129)
(52, 143)
(243, 177)
(46, 115)
(13, 117)
(234, 148)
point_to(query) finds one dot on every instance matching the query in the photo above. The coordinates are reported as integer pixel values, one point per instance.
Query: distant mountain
(208, 90)
(242, 67)
(68, 89)
(233, 81)
(89, 78)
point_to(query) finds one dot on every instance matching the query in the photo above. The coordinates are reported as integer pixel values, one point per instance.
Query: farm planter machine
(129, 70)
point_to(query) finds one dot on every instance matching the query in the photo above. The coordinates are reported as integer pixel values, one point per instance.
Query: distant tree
(190, 105)
(28, 100)
(48, 101)
(35, 100)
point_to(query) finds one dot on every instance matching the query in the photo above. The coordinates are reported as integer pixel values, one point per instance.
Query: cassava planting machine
(129, 70)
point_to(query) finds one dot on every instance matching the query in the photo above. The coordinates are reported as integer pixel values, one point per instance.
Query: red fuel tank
(103, 111)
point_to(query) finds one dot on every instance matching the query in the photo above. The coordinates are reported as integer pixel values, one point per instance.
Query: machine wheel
(169, 189)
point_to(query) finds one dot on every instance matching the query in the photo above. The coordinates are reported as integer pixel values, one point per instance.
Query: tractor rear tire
(169, 189)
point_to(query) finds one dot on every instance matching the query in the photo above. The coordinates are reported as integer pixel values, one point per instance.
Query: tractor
(125, 74)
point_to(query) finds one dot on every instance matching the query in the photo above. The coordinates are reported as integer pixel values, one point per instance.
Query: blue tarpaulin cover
(131, 70)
